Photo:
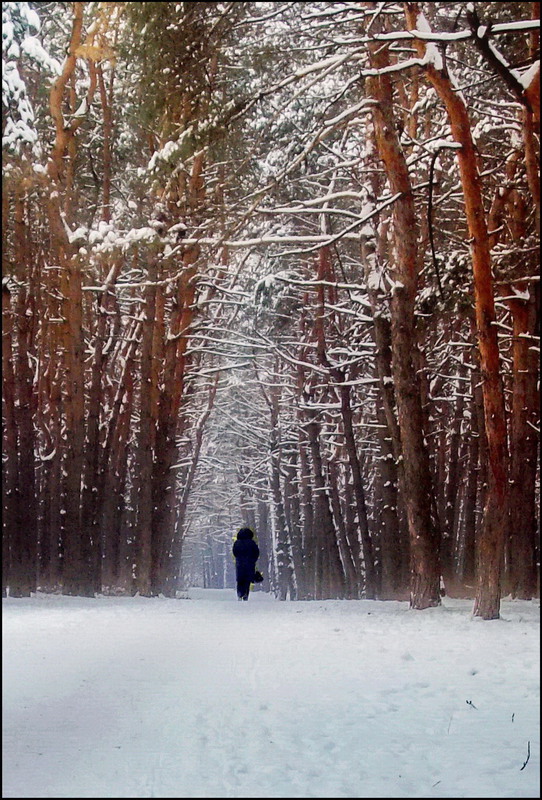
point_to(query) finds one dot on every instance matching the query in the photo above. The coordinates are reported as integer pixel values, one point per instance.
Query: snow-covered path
(208, 697)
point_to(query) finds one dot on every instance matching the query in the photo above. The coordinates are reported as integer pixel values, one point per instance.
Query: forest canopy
(272, 265)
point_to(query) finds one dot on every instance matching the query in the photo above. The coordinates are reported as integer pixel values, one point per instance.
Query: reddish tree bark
(522, 571)
(493, 532)
(418, 490)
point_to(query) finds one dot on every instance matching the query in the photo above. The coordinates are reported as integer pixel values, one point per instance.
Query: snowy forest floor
(209, 697)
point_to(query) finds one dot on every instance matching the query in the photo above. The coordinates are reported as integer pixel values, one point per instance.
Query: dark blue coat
(246, 553)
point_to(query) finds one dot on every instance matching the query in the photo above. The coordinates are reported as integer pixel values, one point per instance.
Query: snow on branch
(521, 26)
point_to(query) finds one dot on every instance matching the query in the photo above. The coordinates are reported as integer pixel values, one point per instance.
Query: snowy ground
(208, 697)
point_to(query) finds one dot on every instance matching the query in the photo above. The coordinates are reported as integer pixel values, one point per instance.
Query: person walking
(246, 552)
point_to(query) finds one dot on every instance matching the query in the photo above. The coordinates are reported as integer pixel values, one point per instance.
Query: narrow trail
(208, 697)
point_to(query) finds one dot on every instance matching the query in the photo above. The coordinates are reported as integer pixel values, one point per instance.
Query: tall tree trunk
(470, 497)
(394, 537)
(285, 572)
(23, 539)
(522, 572)
(324, 274)
(24, 568)
(394, 545)
(92, 497)
(452, 493)
(10, 467)
(351, 574)
(359, 492)
(493, 533)
(292, 509)
(106, 100)
(264, 543)
(172, 573)
(171, 397)
(306, 498)
(112, 480)
(143, 488)
(51, 531)
(330, 579)
(78, 578)
(418, 490)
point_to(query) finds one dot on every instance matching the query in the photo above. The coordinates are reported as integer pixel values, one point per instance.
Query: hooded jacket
(246, 553)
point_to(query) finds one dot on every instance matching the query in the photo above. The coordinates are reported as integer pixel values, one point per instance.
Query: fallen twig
(528, 755)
